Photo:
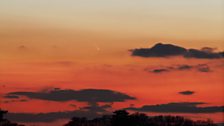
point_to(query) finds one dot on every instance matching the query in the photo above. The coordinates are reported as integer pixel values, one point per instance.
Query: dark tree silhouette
(123, 118)
(139, 119)
(120, 118)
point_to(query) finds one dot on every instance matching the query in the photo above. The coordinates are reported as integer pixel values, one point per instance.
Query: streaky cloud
(179, 107)
(186, 92)
(85, 95)
(182, 67)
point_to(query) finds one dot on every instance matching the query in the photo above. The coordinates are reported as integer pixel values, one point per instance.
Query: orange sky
(84, 44)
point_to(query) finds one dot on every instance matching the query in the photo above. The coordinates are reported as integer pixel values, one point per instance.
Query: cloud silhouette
(167, 50)
(94, 110)
(194, 53)
(91, 111)
(208, 49)
(160, 70)
(43, 117)
(182, 67)
(91, 96)
(179, 107)
(12, 96)
(85, 95)
(186, 92)
(159, 50)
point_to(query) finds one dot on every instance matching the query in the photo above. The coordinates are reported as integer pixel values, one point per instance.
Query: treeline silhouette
(123, 118)
(5, 122)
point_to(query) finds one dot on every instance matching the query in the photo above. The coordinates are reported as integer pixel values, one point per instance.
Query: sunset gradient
(86, 44)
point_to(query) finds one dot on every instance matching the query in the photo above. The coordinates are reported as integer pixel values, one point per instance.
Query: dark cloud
(199, 67)
(208, 49)
(11, 96)
(41, 117)
(166, 50)
(194, 53)
(92, 96)
(222, 54)
(159, 50)
(95, 108)
(186, 92)
(160, 70)
(179, 107)
(91, 111)
(85, 95)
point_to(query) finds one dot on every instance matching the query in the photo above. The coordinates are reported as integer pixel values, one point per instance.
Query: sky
(55, 45)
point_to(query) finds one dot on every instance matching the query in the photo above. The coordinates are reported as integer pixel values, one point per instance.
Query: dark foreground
(123, 118)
